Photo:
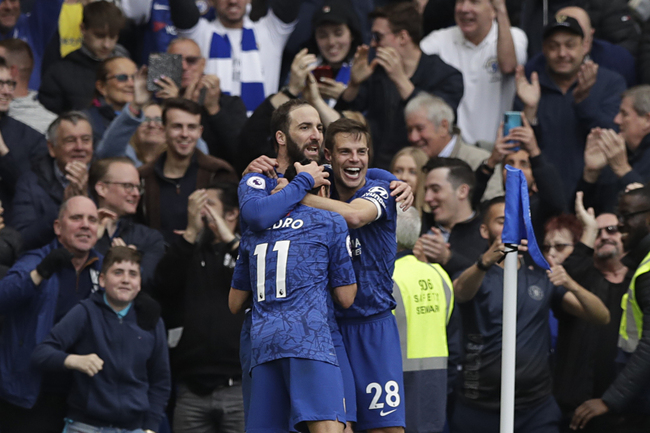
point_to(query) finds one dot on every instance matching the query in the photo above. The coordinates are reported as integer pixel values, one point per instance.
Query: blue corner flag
(517, 224)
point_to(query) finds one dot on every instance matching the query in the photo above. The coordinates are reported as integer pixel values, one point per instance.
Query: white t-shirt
(271, 35)
(488, 93)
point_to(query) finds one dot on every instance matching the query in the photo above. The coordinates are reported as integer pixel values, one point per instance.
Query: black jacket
(383, 106)
(36, 204)
(70, 83)
(633, 380)
(192, 284)
(26, 147)
(221, 131)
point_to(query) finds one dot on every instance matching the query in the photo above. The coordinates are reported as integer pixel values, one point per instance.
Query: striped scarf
(220, 63)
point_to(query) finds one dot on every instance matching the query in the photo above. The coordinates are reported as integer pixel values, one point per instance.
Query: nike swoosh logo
(158, 7)
(382, 413)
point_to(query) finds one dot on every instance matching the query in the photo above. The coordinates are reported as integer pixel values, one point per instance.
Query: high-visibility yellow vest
(629, 333)
(425, 300)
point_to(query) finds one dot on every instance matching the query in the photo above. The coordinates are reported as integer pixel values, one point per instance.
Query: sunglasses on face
(558, 247)
(610, 230)
(122, 78)
(626, 216)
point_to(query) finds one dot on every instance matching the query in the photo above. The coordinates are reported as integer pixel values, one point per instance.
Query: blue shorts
(348, 377)
(375, 356)
(287, 392)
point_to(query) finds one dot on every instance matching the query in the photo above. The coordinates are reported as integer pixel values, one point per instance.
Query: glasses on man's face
(156, 119)
(558, 247)
(10, 84)
(191, 60)
(377, 37)
(610, 230)
(622, 217)
(121, 78)
(128, 187)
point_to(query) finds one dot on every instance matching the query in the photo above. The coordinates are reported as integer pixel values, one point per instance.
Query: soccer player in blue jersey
(290, 267)
(369, 329)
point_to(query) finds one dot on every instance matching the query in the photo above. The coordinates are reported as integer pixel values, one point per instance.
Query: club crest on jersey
(256, 182)
(536, 293)
(381, 192)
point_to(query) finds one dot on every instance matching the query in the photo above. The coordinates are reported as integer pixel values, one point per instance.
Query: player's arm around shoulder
(357, 213)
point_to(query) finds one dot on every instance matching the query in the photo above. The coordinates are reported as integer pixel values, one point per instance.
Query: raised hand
(586, 79)
(330, 88)
(55, 260)
(77, 173)
(301, 66)
(528, 91)
(435, 248)
(361, 69)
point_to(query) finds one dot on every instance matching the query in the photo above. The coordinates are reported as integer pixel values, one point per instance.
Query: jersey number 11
(282, 247)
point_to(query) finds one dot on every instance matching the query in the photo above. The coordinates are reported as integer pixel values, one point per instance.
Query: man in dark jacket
(567, 98)
(115, 186)
(38, 291)
(180, 170)
(20, 145)
(192, 283)
(630, 392)
(53, 179)
(614, 160)
(118, 349)
(70, 83)
(381, 87)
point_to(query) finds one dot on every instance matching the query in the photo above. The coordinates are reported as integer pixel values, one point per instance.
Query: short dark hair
(73, 117)
(99, 169)
(227, 194)
(401, 16)
(102, 15)
(119, 255)
(488, 204)
(291, 172)
(459, 171)
(180, 104)
(19, 53)
(281, 117)
(3, 63)
(347, 126)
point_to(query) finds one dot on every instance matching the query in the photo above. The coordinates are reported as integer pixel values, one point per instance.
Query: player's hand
(263, 165)
(436, 249)
(88, 364)
(586, 411)
(403, 193)
(587, 75)
(314, 170)
(330, 88)
(282, 182)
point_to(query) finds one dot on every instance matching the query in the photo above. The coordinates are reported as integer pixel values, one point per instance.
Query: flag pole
(509, 340)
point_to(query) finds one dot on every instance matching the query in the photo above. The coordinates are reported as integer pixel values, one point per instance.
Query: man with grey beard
(585, 352)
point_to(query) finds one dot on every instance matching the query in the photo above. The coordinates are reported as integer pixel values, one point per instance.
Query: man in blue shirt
(369, 328)
(291, 266)
(479, 293)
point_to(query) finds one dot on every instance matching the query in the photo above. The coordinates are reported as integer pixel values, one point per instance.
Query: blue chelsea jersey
(374, 247)
(289, 268)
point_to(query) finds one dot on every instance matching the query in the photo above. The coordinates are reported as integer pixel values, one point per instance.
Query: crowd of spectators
(92, 160)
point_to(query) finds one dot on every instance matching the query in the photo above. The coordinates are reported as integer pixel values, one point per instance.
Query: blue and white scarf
(251, 70)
